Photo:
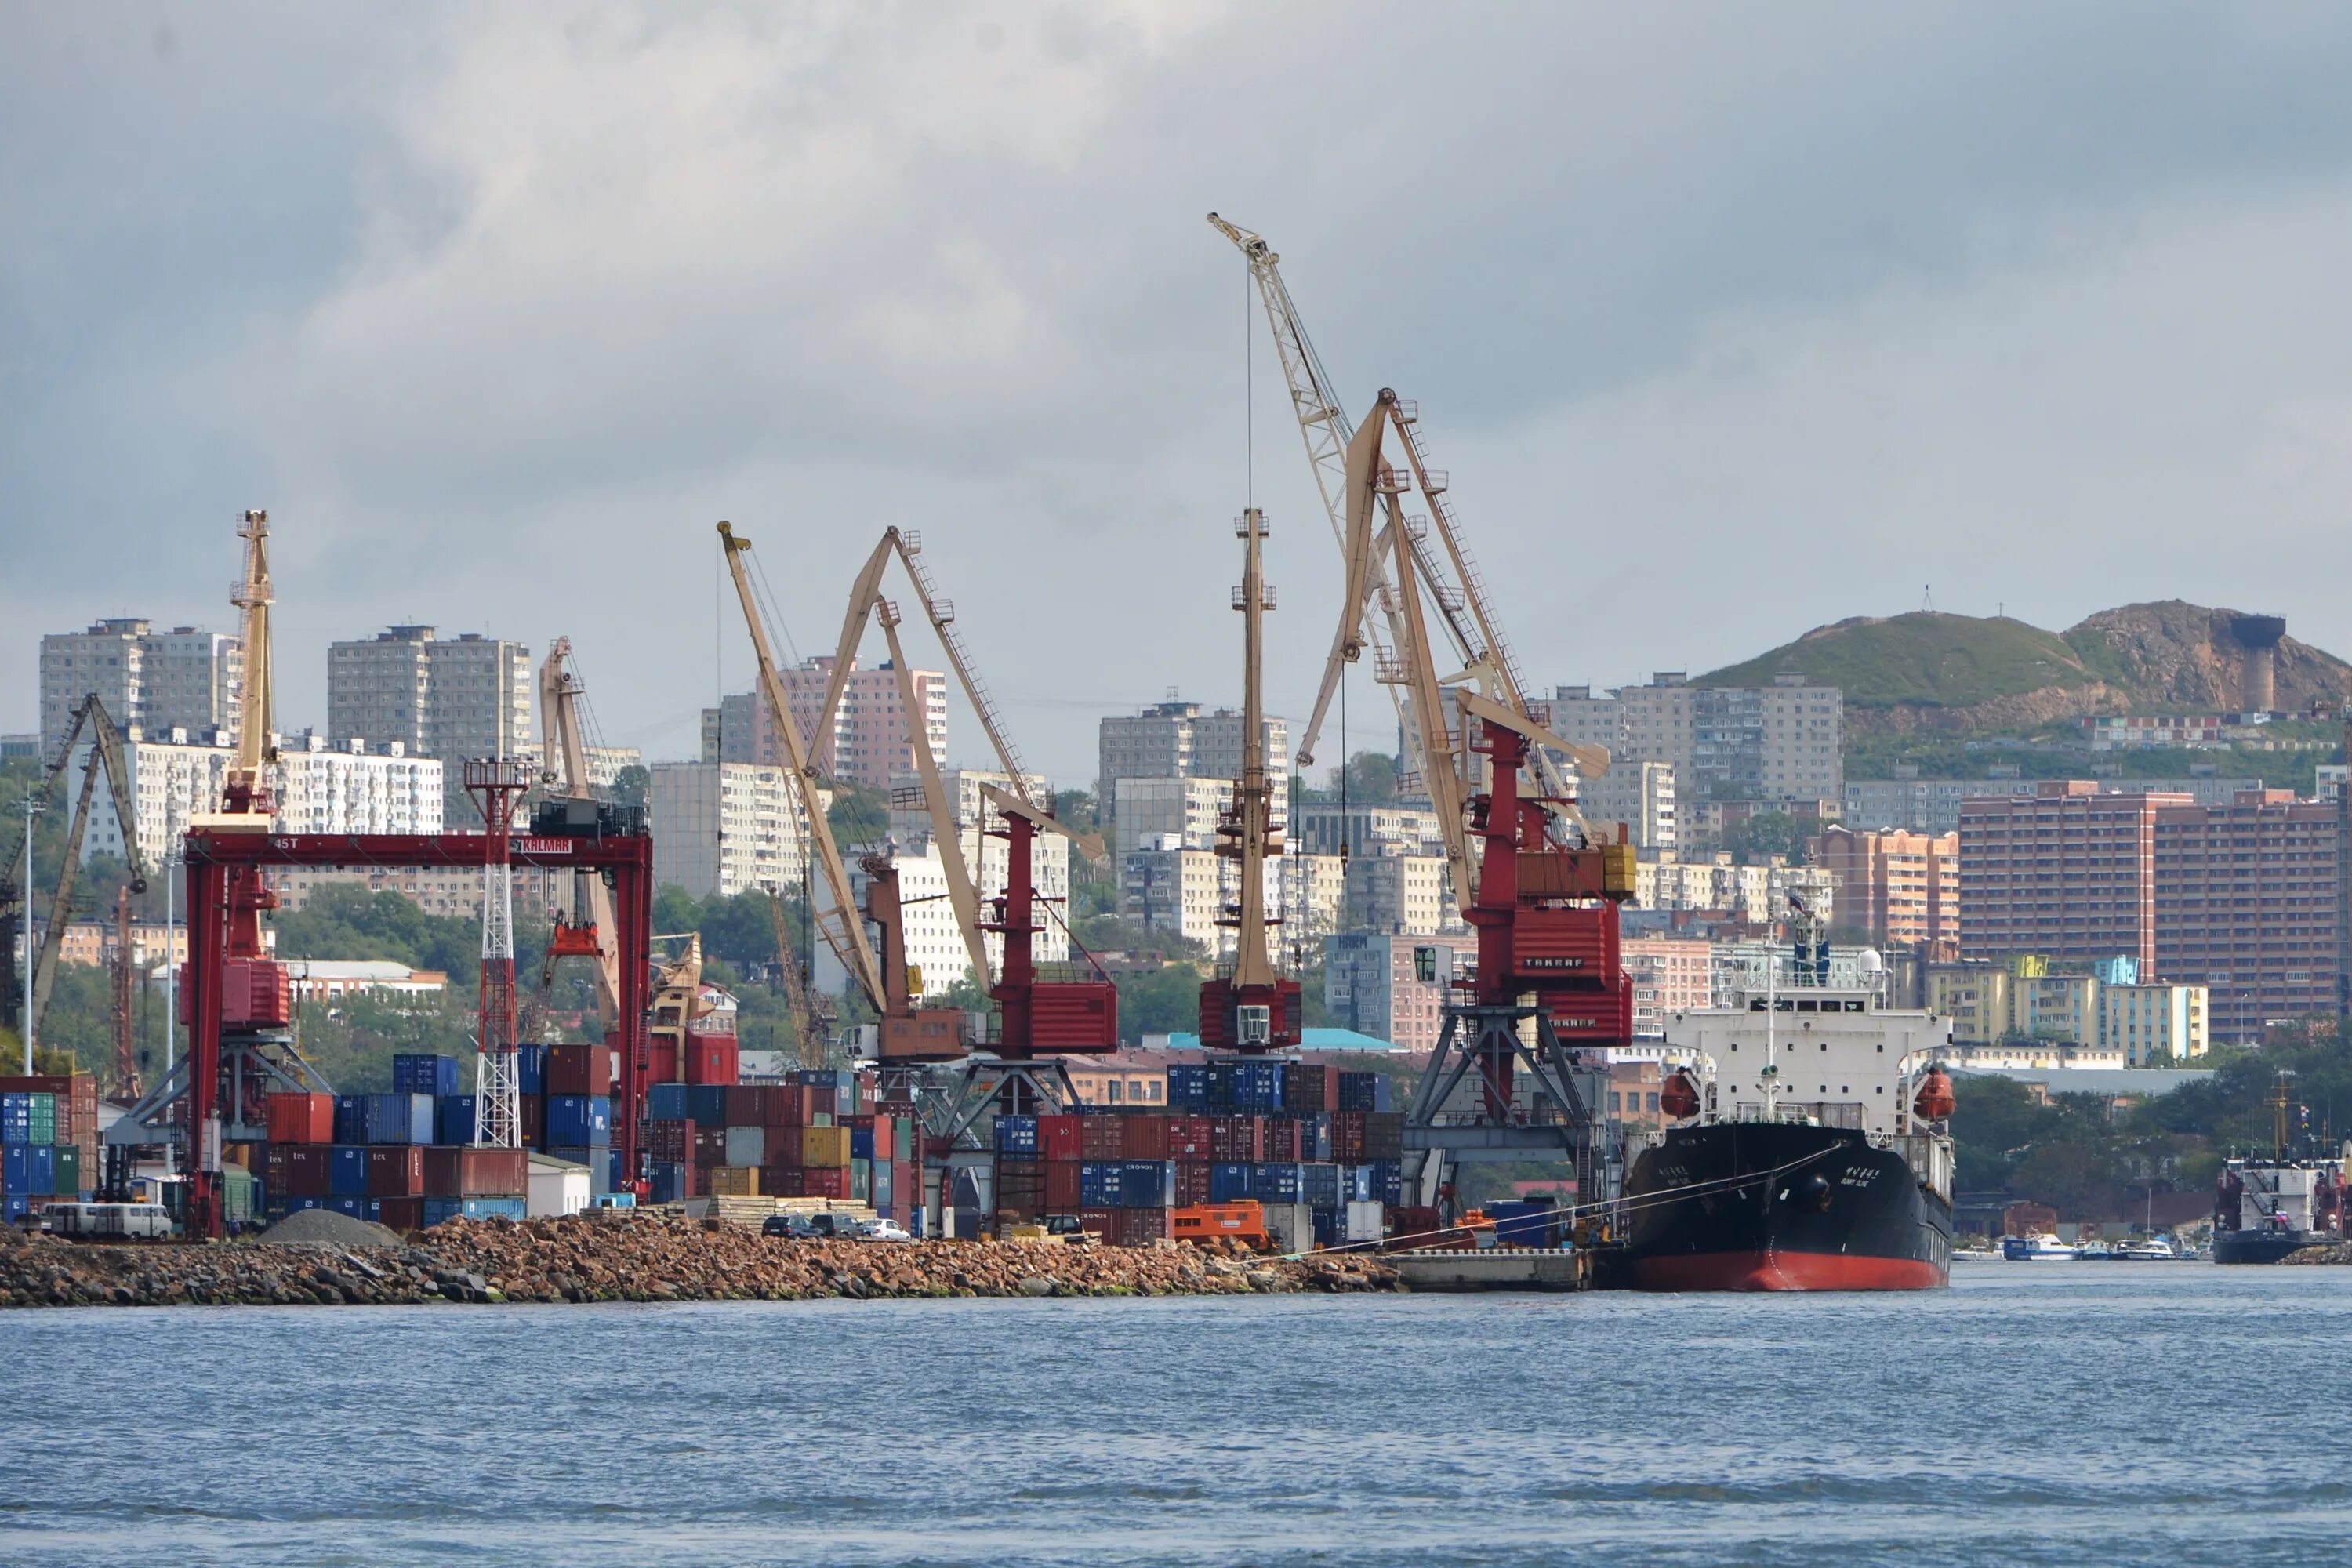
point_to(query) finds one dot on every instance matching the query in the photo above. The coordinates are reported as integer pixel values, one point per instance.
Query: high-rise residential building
(987, 859)
(451, 892)
(2154, 1023)
(1756, 894)
(1393, 987)
(1181, 892)
(1933, 806)
(1779, 743)
(1175, 740)
(156, 681)
(1904, 889)
(2246, 905)
(1411, 895)
(316, 787)
(2068, 872)
(867, 742)
(456, 699)
(1186, 808)
(1637, 796)
(1314, 900)
(725, 828)
(1326, 828)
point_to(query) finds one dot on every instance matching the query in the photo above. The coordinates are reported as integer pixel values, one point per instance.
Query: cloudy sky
(1727, 321)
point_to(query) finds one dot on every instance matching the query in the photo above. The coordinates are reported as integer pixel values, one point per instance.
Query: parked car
(883, 1230)
(832, 1226)
(790, 1226)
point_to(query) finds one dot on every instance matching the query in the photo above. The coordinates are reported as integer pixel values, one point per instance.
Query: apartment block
(1313, 898)
(1903, 887)
(725, 828)
(157, 681)
(1933, 806)
(1638, 795)
(1411, 895)
(986, 854)
(1144, 809)
(1326, 828)
(1393, 987)
(2154, 1023)
(317, 789)
(452, 894)
(2247, 906)
(1757, 894)
(866, 743)
(1181, 892)
(2068, 872)
(935, 943)
(1782, 741)
(1175, 740)
(1669, 976)
(454, 699)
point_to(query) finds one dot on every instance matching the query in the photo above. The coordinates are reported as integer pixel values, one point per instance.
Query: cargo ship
(1809, 1147)
(2265, 1209)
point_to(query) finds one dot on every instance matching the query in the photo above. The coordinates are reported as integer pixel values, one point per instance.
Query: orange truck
(1243, 1220)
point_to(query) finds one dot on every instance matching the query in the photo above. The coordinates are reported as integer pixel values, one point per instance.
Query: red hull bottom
(1776, 1270)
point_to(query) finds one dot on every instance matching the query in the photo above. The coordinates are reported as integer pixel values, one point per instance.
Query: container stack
(48, 1141)
(405, 1160)
(1317, 1148)
(822, 1135)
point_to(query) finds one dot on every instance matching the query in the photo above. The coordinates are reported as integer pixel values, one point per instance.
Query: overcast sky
(1727, 321)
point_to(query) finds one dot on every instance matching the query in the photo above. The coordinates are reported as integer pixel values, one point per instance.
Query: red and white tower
(496, 785)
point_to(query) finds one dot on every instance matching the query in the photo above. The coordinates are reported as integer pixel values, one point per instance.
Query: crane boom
(565, 753)
(843, 930)
(796, 995)
(105, 754)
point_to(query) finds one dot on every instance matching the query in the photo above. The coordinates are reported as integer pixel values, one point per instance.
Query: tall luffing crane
(1043, 1019)
(1448, 573)
(564, 777)
(1253, 1009)
(105, 756)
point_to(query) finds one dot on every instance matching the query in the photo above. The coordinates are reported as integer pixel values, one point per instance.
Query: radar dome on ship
(1869, 962)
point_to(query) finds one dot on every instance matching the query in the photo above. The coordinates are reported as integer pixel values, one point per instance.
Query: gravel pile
(324, 1228)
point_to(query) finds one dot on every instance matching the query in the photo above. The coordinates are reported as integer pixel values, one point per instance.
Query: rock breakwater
(636, 1257)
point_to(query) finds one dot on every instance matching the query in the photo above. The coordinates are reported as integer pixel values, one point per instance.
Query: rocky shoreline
(639, 1258)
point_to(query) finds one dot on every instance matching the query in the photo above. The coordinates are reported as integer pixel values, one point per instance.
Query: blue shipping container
(581, 1121)
(666, 1102)
(1232, 1183)
(1521, 1224)
(453, 1119)
(41, 1169)
(673, 1184)
(617, 1174)
(358, 1209)
(1329, 1226)
(1188, 1087)
(705, 1105)
(351, 1119)
(1320, 1185)
(1015, 1135)
(15, 1118)
(1257, 1085)
(1315, 1137)
(530, 1069)
(1100, 1183)
(16, 1169)
(598, 1161)
(1278, 1183)
(421, 1074)
(15, 1207)
(1388, 1181)
(1147, 1184)
(399, 1117)
(1219, 1094)
(347, 1166)
(1363, 1091)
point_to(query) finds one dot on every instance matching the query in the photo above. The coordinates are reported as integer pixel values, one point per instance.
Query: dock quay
(1497, 1268)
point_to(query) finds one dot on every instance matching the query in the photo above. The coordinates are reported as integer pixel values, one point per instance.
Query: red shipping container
(297, 1118)
(582, 1069)
(533, 1108)
(778, 1181)
(701, 1174)
(1576, 943)
(1141, 1228)
(403, 1215)
(830, 1183)
(1062, 1187)
(1074, 1016)
(1148, 1137)
(709, 1146)
(1279, 1137)
(463, 1170)
(788, 1105)
(1192, 1183)
(711, 1059)
(296, 1170)
(1236, 1139)
(661, 1060)
(1348, 1137)
(396, 1171)
(886, 1139)
(1103, 1136)
(1103, 1223)
(1310, 1087)
(1188, 1138)
(1587, 1017)
(1061, 1137)
(747, 1105)
(783, 1145)
(670, 1142)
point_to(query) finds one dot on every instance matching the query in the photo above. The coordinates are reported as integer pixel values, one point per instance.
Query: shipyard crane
(1455, 584)
(836, 920)
(105, 755)
(812, 1013)
(1253, 1009)
(566, 778)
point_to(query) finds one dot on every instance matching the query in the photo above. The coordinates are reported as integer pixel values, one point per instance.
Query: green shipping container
(66, 1181)
(861, 1181)
(238, 1192)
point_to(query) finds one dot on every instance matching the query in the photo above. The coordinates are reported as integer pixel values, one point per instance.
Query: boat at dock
(1810, 1150)
(2037, 1246)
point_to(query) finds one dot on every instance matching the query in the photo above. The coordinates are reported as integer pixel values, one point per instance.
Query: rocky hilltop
(1929, 672)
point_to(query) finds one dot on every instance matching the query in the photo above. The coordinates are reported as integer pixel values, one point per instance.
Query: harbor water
(2161, 1413)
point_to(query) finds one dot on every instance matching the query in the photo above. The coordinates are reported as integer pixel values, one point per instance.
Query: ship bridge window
(1855, 1005)
(1807, 1005)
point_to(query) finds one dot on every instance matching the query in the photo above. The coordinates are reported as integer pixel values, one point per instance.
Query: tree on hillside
(631, 785)
(859, 815)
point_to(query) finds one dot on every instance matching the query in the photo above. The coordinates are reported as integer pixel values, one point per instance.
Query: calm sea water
(2171, 1414)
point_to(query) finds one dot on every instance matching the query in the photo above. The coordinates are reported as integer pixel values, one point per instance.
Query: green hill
(1949, 661)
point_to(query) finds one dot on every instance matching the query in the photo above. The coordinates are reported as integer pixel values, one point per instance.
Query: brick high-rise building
(2066, 872)
(1903, 887)
(2246, 906)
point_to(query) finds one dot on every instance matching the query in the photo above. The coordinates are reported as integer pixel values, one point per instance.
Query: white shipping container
(747, 1146)
(1366, 1221)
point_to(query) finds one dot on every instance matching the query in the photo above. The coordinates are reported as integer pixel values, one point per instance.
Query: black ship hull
(1761, 1205)
(2261, 1245)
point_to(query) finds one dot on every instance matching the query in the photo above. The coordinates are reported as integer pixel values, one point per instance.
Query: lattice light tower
(496, 785)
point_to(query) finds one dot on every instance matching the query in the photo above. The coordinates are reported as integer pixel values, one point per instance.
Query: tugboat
(1811, 1149)
(2266, 1207)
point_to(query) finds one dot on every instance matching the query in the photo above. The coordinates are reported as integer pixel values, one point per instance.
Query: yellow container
(735, 1182)
(825, 1148)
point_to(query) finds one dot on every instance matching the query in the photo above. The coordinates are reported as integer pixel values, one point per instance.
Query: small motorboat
(2039, 1246)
